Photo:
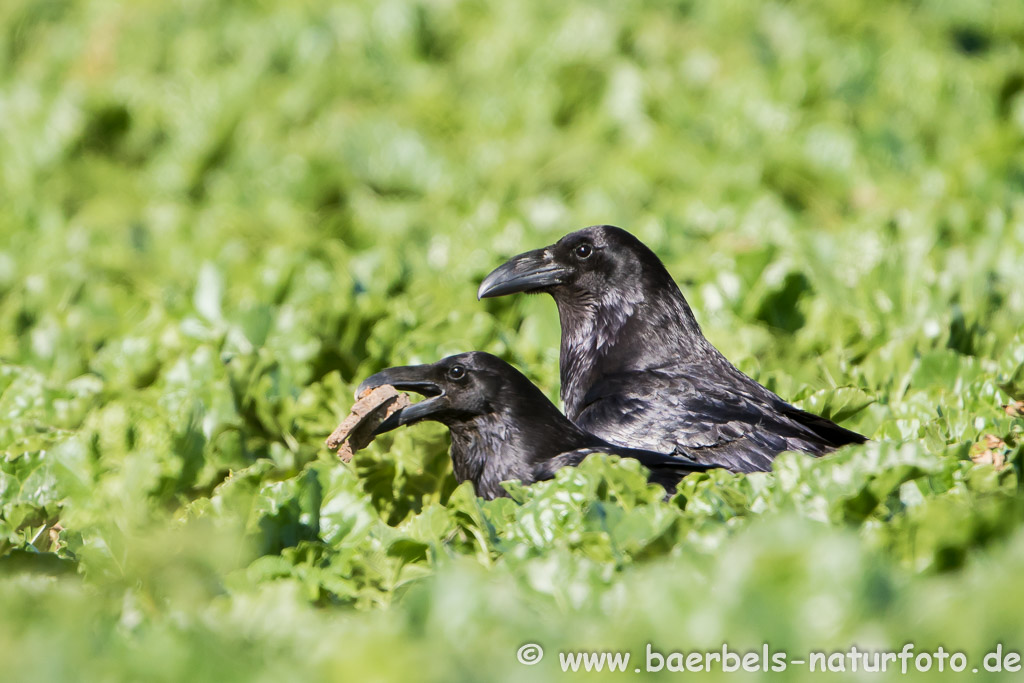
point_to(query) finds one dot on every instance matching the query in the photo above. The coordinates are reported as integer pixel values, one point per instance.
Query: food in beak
(357, 430)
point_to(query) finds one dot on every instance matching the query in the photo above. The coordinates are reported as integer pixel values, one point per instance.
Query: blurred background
(216, 218)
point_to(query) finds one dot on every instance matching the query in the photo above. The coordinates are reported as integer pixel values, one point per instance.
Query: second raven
(502, 426)
(636, 369)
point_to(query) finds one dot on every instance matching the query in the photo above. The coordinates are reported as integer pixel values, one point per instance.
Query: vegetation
(216, 218)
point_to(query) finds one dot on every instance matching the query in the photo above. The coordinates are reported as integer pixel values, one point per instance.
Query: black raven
(502, 426)
(636, 369)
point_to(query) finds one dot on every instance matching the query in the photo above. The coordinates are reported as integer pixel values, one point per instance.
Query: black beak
(532, 271)
(408, 378)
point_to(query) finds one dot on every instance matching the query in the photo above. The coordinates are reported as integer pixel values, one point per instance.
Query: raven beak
(414, 413)
(407, 378)
(404, 378)
(527, 272)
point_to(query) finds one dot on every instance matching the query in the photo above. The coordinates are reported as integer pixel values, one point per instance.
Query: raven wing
(735, 424)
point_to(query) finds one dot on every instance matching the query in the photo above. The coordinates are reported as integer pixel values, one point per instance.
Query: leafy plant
(217, 218)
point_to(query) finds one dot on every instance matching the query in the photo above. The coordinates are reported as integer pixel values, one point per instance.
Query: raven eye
(583, 251)
(456, 372)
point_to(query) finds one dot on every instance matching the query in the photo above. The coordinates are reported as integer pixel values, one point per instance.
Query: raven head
(583, 265)
(458, 389)
(619, 308)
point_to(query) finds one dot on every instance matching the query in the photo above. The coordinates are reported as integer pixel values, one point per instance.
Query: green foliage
(216, 218)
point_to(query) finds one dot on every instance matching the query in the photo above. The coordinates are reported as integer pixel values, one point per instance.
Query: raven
(502, 426)
(636, 369)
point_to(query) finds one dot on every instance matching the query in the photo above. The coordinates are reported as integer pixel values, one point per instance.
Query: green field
(217, 218)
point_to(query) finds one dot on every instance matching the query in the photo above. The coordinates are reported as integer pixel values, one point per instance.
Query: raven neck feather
(623, 331)
(483, 448)
(492, 448)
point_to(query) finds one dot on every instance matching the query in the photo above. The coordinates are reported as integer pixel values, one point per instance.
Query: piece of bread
(373, 407)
